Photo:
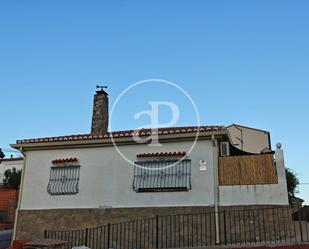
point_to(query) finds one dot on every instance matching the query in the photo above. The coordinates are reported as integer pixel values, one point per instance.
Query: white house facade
(77, 181)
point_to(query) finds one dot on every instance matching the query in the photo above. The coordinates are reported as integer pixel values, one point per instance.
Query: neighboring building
(10, 163)
(78, 181)
(8, 204)
(8, 196)
(249, 139)
(302, 214)
(295, 203)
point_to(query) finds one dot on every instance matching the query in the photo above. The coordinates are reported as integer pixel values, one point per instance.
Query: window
(162, 175)
(225, 148)
(63, 179)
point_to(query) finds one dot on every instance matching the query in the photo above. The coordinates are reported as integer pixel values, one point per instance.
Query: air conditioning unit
(225, 148)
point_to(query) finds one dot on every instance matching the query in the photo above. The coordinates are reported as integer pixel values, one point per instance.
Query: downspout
(21, 186)
(216, 187)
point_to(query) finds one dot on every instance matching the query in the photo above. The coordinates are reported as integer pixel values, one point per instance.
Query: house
(79, 181)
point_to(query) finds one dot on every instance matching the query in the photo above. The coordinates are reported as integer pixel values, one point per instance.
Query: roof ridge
(11, 159)
(126, 133)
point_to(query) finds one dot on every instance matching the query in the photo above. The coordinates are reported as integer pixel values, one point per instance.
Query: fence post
(108, 234)
(224, 220)
(157, 231)
(300, 226)
(306, 223)
(86, 236)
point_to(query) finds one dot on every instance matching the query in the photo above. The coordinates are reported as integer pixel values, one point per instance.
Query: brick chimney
(99, 124)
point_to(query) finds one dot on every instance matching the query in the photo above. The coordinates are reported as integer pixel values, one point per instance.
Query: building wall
(255, 220)
(106, 181)
(254, 141)
(106, 194)
(273, 194)
(5, 196)
(106, 178)
(8, 204)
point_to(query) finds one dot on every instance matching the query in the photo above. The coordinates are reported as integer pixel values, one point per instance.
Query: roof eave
(103, 142)
(247, 127)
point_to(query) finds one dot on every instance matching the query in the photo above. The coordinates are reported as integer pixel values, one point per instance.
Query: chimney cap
(100, 89)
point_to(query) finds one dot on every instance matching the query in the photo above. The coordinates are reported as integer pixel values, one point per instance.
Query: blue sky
(241, 61)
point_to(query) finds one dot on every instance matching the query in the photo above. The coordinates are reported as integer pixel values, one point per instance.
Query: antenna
(101, 88)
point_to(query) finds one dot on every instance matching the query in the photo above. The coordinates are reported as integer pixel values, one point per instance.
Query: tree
(12, 178)
(1, 154)
(292, 182)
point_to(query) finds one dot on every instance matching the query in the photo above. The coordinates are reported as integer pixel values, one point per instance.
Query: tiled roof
(162, 154)
(125, 133)
(12, 159)
(65, 160)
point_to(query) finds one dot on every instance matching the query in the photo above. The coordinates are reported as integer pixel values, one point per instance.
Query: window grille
(63, 180)
(157, 175)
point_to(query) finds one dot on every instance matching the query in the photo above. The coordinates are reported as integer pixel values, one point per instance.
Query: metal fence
(235, 227)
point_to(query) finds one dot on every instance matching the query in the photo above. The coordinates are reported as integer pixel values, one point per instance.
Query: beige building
(249, 139)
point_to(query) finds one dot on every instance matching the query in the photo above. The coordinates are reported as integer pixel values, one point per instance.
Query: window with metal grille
(162, 175)
(63, 180)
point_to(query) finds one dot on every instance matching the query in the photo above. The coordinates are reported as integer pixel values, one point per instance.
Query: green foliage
(292, 182)
(12, 178)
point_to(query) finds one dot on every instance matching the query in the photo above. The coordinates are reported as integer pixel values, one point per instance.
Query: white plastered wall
(106, 179)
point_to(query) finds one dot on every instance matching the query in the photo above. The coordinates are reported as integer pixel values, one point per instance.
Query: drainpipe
(20, 194)
(216, 187)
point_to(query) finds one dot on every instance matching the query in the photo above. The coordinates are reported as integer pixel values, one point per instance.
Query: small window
(225, 148)
(162, 175)
(64, 179)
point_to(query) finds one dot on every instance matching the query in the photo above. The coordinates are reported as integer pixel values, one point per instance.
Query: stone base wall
(32, 223)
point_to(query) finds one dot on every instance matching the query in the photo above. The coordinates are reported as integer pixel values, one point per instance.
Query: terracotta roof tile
(125, 133)
(162, 154)
(65, 160)
(11, 159)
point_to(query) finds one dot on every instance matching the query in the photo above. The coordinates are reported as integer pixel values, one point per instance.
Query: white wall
(106, 179)
(272, 194)
(9, 164)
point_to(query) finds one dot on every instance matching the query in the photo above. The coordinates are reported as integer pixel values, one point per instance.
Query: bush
(12, 178)
(292, 182)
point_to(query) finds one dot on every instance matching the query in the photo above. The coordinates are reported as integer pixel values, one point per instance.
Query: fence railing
(236, 227)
